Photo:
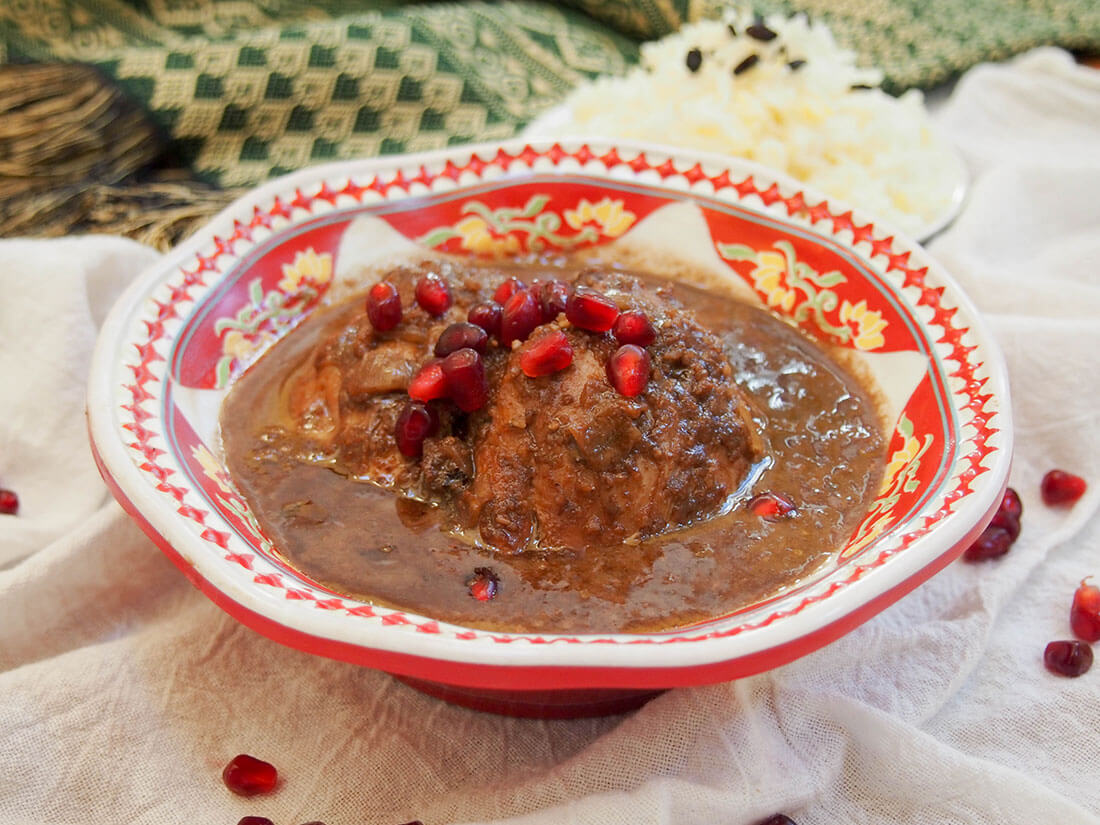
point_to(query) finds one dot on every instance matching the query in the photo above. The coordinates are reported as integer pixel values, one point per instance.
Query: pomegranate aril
(1068, 657)
(553, 296)
(429, 383)
(771, 506)
(992, 543)
(1061, 488)
(1007, 522)
(483, 585)
(433, 294)
(1011, 504)
(467, 385)
(628, 370)
(1084, 613)
(383, 306)
(9, 503)
(519, 317)
(486, 316)
(546, 355)
(254, 820)
(633, 327)
(247, 776)
(415, 423)
(460, 335)
(507, 289)
(588, 309)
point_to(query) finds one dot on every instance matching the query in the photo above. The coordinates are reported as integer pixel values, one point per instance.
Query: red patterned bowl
(191, 323)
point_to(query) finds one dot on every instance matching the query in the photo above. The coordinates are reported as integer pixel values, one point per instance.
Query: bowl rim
(593, 660)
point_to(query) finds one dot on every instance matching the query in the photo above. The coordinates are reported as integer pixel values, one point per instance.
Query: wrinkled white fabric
(123, 691)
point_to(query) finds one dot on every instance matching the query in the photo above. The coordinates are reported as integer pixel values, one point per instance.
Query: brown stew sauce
(820, 444)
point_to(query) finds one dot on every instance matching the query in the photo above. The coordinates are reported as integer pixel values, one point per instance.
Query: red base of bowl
(536, 704)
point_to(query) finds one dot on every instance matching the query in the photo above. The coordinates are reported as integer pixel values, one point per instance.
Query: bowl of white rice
(780, 92)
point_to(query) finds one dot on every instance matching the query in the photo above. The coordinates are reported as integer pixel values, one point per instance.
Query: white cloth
(123, 691)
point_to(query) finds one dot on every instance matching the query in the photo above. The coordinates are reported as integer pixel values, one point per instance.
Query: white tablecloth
(123, 691)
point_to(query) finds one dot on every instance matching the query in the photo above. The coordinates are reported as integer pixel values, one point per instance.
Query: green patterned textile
(251, 88)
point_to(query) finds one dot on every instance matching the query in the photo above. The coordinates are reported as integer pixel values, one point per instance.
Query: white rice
(862, 146)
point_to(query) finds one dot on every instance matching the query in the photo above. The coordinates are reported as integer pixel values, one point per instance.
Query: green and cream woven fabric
(250, 88)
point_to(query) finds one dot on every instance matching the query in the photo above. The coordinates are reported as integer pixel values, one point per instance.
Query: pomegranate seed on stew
(771, 506)
(429, 383)
(383, 306)
(628, 370)
(591, 310)
(467, 385)
(1068, 658)
(546, 355)
(507, 289)
(460, 335)
(416, 422)
(1061, 488)
(9, 503)
(633, 327)
(483, 585)
(992, 543)
(254, 820)
(1084, 614)
(519, 317)
(433, 294)
(486, 316)
(553, 296)
(248, 776)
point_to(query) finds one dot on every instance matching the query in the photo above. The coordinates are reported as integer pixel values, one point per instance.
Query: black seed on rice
(733, 30)
(861, 87)
(759, 31)
(694, 60)
(795, 65)
(746, 64)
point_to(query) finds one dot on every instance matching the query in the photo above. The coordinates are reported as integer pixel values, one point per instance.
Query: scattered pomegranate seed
(1084, 614)
(1011, 503)
(1001, 532)
(486, 316)
(467, 385)
(415, 423)
(628, 370)
(1061, 488)
(1068, 658)
(1007, 522)
(633, 327)
(519, 317)
(483, 585)
(778, 819)
(247, 776)
(460, 335)
(591, 310)
(254, 820)
(771, 506)
(553, 296)
(9, 503)
(383, 306)
(546, 355)
(433, 294)
(507, 289)
(992, 543)
(429, 383)
(1008, 513)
